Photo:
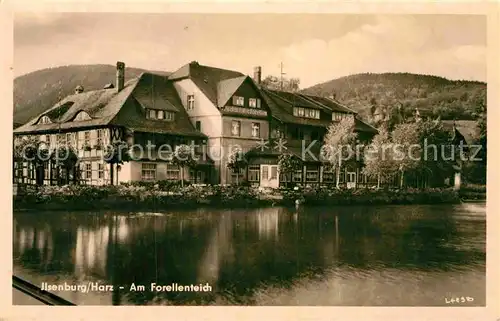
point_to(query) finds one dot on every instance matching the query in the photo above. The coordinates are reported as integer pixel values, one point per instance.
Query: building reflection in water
(91, 250)
(122, 229)
(34, 238)
(217, 250)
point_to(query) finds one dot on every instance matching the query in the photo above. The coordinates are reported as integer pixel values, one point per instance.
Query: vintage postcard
(251, 156)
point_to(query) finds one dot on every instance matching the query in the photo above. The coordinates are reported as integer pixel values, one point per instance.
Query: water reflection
(264, 256)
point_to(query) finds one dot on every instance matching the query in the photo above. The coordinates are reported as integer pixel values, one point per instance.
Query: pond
(405, 255)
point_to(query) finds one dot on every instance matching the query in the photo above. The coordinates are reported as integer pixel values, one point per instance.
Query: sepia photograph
(249, 159)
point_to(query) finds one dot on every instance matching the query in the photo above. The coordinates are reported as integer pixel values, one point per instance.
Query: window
(88, 171)
(254, 102)
(236, 174)
(101, 170)
(195, 176)
(198, 125)
(312, 174)
(297, 176)
(86, 138)
(265, 173)
(337, 116)
(274, 172)
(148, 172)
(254, 173)
(69, 139)
(100, 135)
(159, 114)
(44, 120)
(255, 130)
(61, 139)
(342, 175)
(312, 113)
(190, 102)
(46, 171)
(306, 112)
(151, 114)
(328, 174)
(172, 172)
(169, 115)
(235, 128)
(47, 140)
(238, 101)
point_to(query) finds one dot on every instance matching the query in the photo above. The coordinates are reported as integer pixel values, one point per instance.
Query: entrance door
(351, 180)
(269, 176)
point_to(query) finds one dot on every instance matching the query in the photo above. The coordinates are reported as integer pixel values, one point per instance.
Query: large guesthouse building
(209, 108)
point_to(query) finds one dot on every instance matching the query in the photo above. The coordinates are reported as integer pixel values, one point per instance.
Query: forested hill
(449, 99)
(40, 90)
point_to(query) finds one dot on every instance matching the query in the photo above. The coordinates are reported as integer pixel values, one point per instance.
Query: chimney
(257, 74)
(78, 89)
(120, 75)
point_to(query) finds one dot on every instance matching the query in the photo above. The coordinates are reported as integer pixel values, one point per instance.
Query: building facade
(215, 110)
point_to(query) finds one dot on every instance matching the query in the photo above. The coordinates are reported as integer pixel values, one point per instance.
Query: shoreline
(55, 198)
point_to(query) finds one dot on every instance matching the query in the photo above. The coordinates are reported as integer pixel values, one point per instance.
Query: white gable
(44, 120)
(82, 116)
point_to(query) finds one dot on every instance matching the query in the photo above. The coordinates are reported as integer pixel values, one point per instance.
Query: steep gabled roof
(331, 104)
(124, 108)
(282, 110)
(165, 97)
(296, 100)
(156, 92)
(462, 129)
(101, 105)
(205, 78)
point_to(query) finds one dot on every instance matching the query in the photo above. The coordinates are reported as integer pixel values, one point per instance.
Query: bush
(152, 196)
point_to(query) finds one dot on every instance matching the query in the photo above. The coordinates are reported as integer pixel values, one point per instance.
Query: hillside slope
(439, 96)
(39, 90)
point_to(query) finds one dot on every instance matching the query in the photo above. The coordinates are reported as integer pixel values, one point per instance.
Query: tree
(64, 159)
(481, 123)
(276, 83)
(424, 148)
(340, 144)
(236, 161)
(407, 148)
(379, 157)
(183, 157)
(288, 164)
(438, 155)
(116, 154)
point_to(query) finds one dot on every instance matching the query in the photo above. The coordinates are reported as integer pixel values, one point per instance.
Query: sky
(312, 47)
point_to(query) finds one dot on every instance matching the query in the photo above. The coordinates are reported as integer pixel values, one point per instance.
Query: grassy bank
(157, 197)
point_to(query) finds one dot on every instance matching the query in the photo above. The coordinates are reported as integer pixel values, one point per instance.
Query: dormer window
(306, 112)
(238, 101)
(159, 114)
(81, 116)
(44, 120)
(169, 115)
(254, 102)
(336, 116)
